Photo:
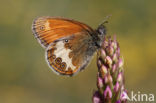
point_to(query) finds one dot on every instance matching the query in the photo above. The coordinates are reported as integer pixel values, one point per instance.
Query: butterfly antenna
(105, 20)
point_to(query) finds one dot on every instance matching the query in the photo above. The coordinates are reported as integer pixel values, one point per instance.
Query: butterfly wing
(49, 29)
(69, 45)
(69, 55)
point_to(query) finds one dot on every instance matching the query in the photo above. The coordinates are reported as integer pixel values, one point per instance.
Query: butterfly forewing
(48, 29)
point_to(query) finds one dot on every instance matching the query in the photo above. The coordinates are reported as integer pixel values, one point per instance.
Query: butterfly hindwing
(69, 55)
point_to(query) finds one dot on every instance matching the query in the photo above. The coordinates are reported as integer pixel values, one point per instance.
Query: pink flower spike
(110, 76)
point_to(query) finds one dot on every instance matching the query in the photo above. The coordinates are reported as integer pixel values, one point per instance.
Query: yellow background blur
(26, 78)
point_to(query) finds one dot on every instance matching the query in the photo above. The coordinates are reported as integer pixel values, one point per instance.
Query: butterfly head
(101, 32)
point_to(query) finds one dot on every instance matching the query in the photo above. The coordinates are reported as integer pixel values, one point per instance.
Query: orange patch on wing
(48, 29)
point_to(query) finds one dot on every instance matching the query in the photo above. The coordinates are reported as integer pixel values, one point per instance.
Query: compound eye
(101, 31)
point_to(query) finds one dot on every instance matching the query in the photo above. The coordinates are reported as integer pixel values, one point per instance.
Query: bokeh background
(26, 78)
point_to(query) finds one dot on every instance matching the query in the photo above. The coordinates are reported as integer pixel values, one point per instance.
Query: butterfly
(69, 44)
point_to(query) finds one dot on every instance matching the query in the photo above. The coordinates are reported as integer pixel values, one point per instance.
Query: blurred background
(26, 78)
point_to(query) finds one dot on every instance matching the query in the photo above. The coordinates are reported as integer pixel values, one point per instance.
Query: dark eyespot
(66, 40)
(58, 60)
(63, 66)
(41, 28)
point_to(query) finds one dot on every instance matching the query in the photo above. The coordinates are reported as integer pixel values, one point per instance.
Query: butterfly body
(69, 44)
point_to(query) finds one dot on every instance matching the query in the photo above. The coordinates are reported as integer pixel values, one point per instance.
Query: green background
(26, 78)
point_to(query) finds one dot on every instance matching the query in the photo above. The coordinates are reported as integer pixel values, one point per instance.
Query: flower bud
(108, 61)
(103, 70)
(120, 63)
(119, 77)
(96, 97)
(108, 92)
(103, 54)
(114, 67)
(116, 87)
(100, 82)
